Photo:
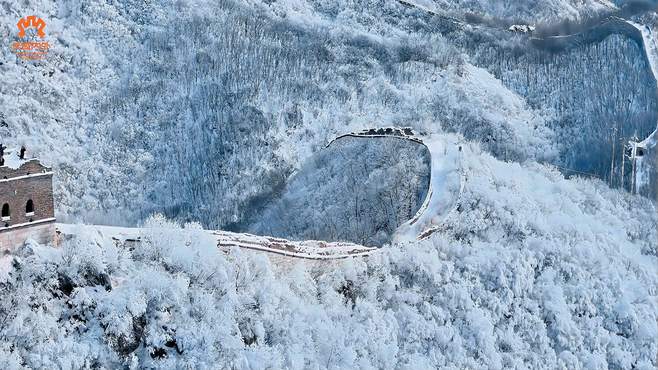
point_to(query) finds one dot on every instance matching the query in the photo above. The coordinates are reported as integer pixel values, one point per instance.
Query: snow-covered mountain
(255, 88)
(535, 253)
(533, 271)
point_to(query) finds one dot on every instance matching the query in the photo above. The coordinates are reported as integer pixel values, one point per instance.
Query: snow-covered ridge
(445, 178)
(447, 182)
(308, 249)
(445, 155)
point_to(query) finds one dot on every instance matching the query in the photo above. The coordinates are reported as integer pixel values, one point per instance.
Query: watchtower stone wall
(30, 182)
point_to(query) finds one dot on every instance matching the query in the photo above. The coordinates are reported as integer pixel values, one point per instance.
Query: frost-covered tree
(358, 190)
(534, 271)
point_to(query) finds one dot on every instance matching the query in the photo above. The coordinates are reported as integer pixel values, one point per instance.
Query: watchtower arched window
(29, 208)
(5, 211)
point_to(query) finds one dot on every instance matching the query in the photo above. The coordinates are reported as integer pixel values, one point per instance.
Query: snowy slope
(246, 95)
(533, 271)
(202, 109)
(446, 185)
(651, 50)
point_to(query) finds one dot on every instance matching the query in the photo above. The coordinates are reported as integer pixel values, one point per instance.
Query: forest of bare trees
(357, 190)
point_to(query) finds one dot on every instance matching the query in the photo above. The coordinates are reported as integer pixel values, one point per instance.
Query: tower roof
(14, 167)
(13, 160)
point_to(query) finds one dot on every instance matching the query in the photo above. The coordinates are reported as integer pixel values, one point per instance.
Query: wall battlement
(28, 167)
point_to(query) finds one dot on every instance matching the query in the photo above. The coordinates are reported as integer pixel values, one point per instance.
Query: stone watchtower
(26, 200)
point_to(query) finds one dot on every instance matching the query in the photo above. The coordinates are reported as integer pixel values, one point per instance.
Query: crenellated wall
(29, 167)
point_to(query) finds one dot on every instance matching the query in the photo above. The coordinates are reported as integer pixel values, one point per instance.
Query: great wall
(27, 178)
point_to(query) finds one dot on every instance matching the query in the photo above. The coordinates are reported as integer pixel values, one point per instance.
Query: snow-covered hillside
(233, 88)
(357, 190)
(528, 250)
(255, 88)
(534, 271)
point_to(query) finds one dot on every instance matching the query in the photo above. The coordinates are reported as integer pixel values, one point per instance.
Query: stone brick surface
(15, 190)
(29, 167)
(42, 233)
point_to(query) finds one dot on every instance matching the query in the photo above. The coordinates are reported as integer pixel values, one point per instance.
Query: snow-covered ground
(307, 249)
(12, 158)
(446, 185)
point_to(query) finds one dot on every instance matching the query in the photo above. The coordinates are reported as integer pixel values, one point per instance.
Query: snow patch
(523, 28)
(13, 160)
